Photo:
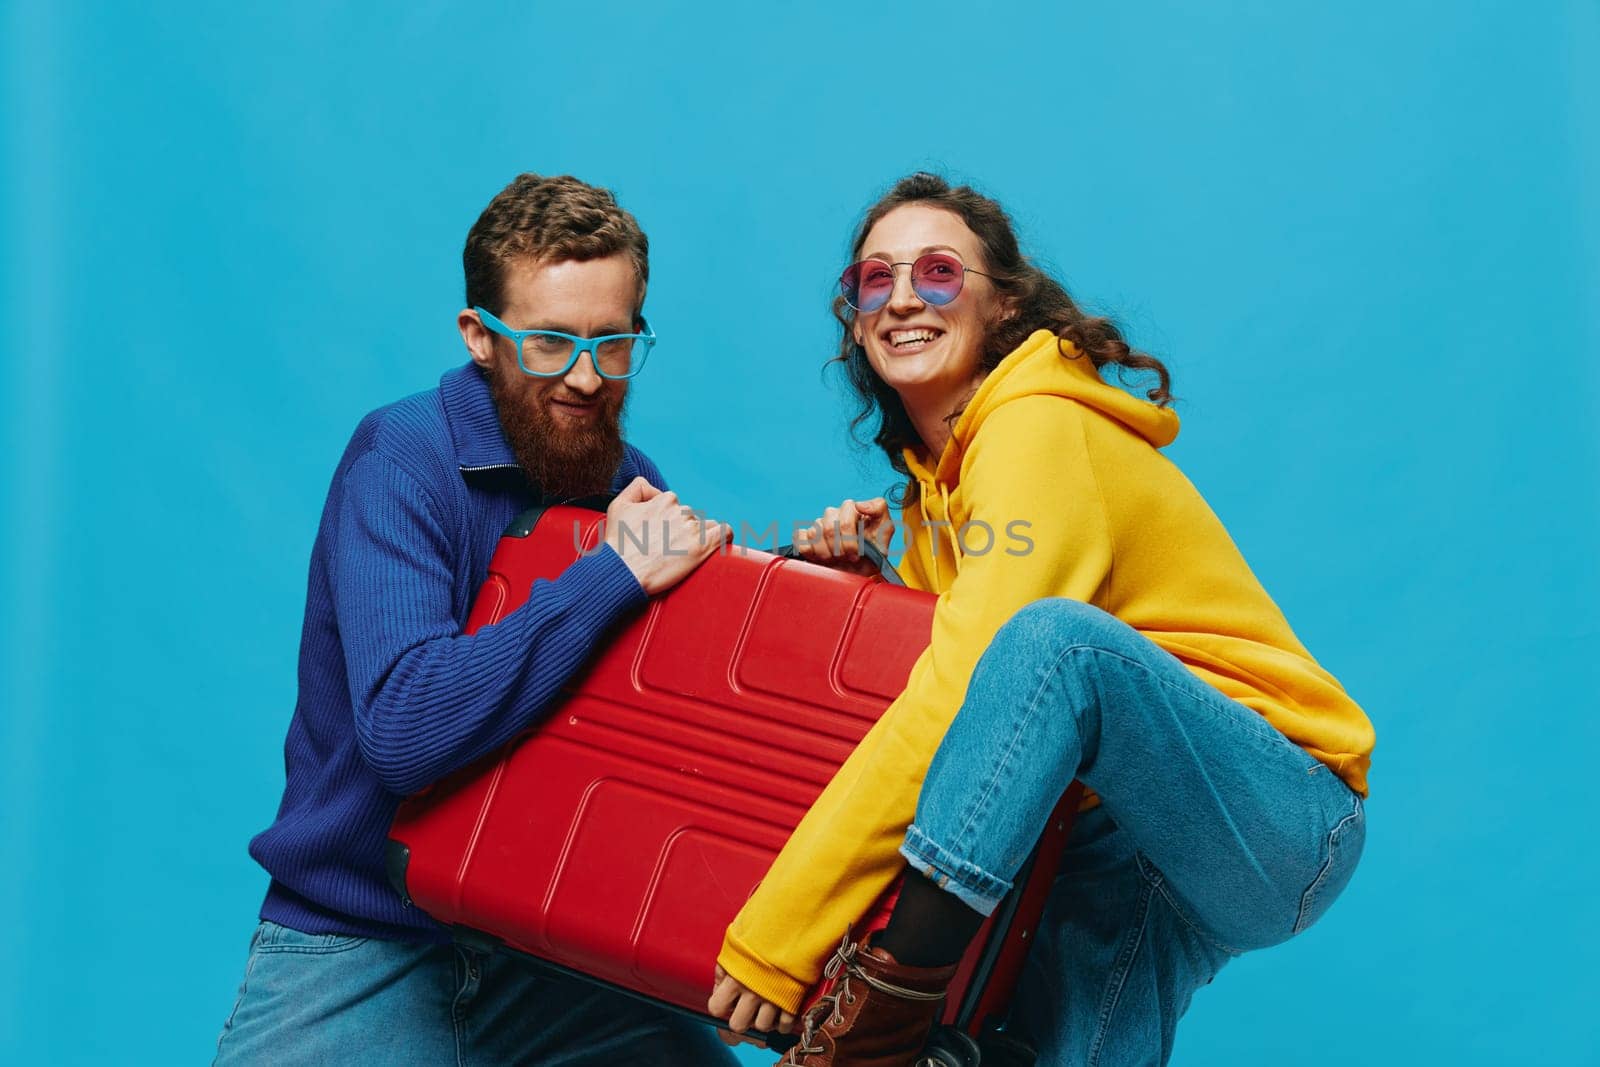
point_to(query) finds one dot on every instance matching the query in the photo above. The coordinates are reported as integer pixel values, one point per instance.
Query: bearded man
(393, 695)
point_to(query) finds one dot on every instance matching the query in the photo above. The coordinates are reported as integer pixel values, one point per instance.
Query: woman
(1095, 621)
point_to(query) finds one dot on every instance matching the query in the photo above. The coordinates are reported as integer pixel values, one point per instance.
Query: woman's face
(927, 353)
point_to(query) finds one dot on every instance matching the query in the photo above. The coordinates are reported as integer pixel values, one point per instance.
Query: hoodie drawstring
(927, 524)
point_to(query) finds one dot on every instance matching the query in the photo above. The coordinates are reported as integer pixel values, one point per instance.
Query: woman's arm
(1029, 465)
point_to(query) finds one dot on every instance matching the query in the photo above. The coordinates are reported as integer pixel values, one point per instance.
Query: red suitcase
(619, 838)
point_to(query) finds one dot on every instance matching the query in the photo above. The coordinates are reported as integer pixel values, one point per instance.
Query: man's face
(566, 432)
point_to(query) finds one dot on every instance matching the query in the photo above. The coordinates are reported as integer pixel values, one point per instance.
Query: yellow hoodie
(1045, 452)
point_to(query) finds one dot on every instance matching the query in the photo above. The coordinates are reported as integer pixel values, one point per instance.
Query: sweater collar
(475, 433)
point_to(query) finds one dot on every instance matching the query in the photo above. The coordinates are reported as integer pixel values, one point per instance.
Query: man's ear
(477, 337)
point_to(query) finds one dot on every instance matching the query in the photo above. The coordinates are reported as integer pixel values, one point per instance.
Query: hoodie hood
(1043, 365)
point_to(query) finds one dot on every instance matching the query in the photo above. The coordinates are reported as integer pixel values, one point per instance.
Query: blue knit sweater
(392, 694)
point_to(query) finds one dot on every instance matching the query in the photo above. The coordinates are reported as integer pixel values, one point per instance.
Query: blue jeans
(1215, 833)
(329, 999)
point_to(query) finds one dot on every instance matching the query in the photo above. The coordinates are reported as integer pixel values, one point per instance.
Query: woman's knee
(1030, 654)
(1048, 627)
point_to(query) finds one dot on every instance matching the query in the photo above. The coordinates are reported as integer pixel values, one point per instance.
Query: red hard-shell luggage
(619, 838)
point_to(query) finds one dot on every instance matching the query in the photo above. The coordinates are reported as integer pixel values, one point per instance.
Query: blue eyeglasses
(551, 353)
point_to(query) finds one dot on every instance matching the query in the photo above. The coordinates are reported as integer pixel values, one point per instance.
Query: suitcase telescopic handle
(872, 552)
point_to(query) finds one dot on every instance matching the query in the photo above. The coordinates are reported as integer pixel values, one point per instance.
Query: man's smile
(574, 409)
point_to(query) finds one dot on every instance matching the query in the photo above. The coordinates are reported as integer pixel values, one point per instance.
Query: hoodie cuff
(761, 978)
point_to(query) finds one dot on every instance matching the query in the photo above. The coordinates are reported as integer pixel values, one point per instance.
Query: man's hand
(743, 1009)
(659, 539)
(835, 539)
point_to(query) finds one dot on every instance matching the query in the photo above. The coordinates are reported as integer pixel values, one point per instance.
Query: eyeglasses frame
(965, 270)
(580, 345)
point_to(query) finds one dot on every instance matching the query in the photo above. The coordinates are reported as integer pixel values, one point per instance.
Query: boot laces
(826, 1006)
(843, 967)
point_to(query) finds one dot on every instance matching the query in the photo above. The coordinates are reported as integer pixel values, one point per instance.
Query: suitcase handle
(872, 552)
(523, 525)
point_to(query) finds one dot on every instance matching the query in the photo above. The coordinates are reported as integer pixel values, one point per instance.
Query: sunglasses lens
(937, 277)
(867, 285)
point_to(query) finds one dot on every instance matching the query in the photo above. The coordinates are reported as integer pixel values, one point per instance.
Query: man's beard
(565, 462)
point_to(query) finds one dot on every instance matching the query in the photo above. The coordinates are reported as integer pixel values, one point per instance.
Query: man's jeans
(329, 999)
(1215, 833)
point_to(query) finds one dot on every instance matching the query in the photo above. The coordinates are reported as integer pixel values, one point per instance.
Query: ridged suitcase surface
(622, 835)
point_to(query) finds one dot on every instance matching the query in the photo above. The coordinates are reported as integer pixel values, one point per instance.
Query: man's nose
(903, 297)
(583, 378)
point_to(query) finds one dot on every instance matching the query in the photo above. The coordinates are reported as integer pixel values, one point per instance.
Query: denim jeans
(1215, 833)
(329, 999)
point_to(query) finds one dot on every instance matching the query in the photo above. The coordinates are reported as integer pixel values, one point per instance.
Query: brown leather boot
(876, 1013)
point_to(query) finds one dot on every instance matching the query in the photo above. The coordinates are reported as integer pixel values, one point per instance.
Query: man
(393, 695)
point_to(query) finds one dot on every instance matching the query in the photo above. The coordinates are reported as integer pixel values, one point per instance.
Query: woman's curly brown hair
(1036, 302)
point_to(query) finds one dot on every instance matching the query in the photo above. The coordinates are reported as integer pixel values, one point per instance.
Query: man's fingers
(637, 490)
(874, 507)
(767, 1016)
(713, 536)
(786, 1023)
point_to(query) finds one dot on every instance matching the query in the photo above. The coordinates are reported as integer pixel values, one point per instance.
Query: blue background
(1365, 237)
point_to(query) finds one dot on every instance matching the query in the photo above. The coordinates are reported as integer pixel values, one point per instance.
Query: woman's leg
(1252, 836)
(1215, 835)
(1113, 965)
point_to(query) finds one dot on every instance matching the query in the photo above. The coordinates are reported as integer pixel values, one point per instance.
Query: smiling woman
(919, 340)
(1019, 298)
(1130, 647)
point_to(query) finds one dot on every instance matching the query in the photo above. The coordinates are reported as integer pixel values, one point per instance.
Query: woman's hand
(743, 1009)
(836, 539)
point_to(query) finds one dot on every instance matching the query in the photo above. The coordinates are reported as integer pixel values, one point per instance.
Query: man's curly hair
(548, 219)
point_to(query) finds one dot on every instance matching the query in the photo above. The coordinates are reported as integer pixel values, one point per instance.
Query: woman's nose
(903, 297)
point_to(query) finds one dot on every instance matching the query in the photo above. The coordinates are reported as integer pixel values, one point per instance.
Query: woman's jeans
(1215, 833)
(329, 999)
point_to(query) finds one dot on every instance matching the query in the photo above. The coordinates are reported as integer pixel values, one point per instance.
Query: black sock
(928, 927)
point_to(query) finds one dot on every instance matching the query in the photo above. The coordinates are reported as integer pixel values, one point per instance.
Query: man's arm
(427, 698)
